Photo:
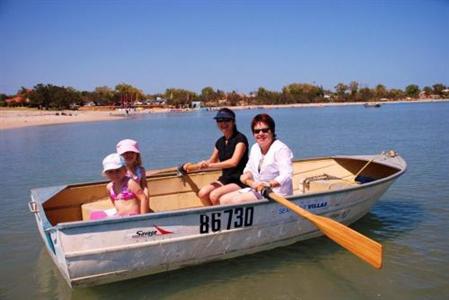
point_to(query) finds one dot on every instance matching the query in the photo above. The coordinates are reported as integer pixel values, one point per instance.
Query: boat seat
(321, 183)
(93, 210)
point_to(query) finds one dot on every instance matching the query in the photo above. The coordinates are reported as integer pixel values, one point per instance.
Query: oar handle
(189, 167)
(260, 188)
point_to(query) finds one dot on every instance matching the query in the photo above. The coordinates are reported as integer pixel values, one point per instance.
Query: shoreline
(28, 117)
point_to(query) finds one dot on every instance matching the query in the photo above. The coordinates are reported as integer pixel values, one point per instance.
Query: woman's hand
(259, 186)
(203, 164)
(186, 166)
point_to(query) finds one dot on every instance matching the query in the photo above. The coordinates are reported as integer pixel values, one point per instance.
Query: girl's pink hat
(127, 145)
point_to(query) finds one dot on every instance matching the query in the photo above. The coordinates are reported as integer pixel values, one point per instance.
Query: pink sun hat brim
(127, 145)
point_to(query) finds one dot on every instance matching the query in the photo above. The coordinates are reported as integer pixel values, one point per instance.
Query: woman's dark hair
(264, 118)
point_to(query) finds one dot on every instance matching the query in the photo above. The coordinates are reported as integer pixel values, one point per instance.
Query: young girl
(129, 150)
(125, 193)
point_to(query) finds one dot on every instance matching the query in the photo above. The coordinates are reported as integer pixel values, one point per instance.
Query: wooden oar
(161, 171)
(181, 172)
(189, 166)
(360, 245)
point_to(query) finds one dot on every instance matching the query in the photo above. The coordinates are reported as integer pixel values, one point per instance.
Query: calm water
(410, 220)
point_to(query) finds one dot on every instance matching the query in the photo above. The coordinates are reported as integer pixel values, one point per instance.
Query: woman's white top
(276, 164)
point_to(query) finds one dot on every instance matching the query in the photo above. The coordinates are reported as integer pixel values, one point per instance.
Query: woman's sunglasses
(223, 120)
(264, 130)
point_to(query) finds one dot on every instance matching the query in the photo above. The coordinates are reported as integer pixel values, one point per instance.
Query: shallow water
(410, 220)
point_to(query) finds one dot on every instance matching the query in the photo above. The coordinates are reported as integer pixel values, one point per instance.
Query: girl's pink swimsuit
(124, 195)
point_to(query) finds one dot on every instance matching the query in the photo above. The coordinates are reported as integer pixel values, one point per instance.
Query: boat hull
(96, 252)
(93, 253)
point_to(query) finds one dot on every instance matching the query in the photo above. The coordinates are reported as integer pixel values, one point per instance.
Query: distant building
(19, 99)
(196, 104)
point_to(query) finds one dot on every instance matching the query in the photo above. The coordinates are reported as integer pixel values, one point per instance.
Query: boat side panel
(158, 244)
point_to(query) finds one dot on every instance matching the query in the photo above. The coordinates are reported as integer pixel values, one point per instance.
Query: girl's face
(263, 135)
(225, 125)
(129, 157)
(116, 175)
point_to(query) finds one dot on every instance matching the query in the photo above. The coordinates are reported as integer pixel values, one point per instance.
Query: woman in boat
(269, 164)
(129, 150)
(125, 193)
(229, 154)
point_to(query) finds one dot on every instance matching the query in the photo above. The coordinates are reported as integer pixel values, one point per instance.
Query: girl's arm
(143, 180)
(239, 151)
(110, 186)
(144, 205)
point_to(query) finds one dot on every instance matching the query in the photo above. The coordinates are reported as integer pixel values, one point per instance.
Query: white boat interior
(171, 191)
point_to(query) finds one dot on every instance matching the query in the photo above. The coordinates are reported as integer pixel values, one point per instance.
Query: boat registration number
(224, 220)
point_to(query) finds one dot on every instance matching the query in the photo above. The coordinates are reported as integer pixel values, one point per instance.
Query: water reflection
(389, 219)
(49, 281)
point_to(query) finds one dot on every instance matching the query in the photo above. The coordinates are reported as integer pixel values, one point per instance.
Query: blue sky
(229, 45)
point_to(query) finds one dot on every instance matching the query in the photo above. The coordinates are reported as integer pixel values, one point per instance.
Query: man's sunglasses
(264, 130)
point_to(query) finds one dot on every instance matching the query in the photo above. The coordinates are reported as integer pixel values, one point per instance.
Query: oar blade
(358, 244)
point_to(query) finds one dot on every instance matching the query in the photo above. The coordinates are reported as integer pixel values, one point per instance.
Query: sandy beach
(24, 117)
(17, 118)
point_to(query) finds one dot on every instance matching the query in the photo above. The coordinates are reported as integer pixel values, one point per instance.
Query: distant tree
(301, 93)
(428, 90)
(179, 97)
(438, 89)
(233, 98)
(366, 94)
(208, 94)
(3, 97)
(340, 90)
(353, 88)
(41, 96)
(221, 94)
(264, 96)
(412, 90)
(103, 95)
(395, 94)
(126, 94)
(380, 91)
(56, 97)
